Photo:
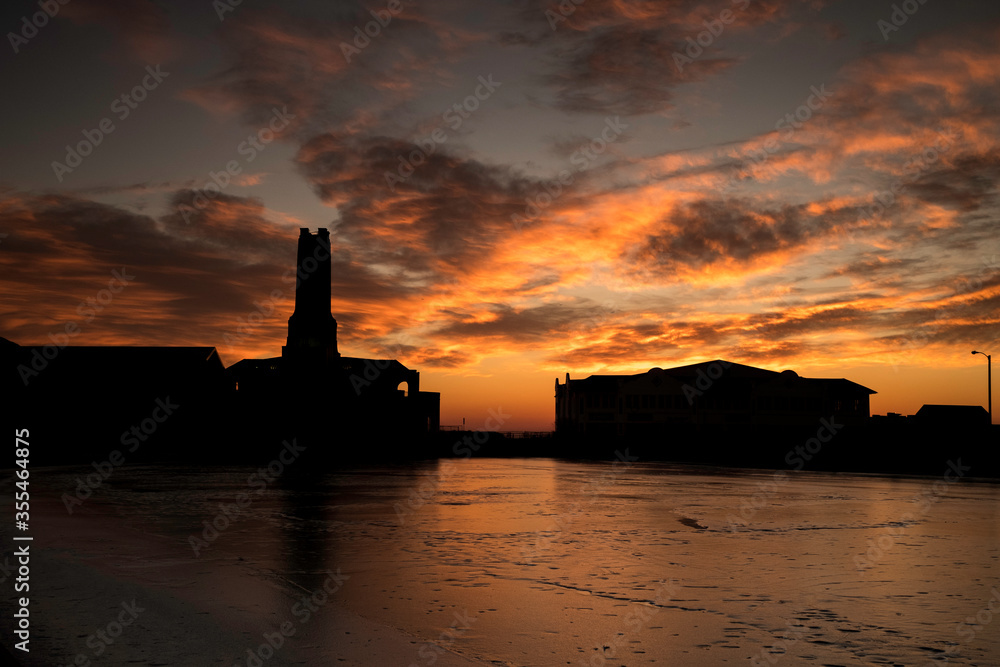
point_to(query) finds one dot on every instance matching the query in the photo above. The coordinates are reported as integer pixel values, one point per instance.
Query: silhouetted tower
(312, 331)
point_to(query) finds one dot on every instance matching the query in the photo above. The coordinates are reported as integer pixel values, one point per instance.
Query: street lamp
(989, 381)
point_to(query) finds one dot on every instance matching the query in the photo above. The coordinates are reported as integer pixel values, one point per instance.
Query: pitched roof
(730, 369)
(113, 353)
(95, 364)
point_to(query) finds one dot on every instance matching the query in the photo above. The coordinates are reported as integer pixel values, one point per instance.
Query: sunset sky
(516, 190)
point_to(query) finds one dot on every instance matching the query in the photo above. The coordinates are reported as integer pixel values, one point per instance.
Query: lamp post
(989, 381)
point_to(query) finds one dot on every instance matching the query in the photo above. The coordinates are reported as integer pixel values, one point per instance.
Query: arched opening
(404, 386)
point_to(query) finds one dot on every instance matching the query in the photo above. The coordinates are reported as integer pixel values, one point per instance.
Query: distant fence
(510, 435)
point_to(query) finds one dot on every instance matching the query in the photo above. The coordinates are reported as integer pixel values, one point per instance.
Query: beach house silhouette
(181, 403)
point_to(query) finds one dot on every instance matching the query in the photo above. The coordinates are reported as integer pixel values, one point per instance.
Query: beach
(510, 562)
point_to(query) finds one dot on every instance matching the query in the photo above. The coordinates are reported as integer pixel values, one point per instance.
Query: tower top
(311, 328)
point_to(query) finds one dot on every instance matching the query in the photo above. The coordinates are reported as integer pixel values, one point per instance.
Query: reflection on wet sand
(527, 562)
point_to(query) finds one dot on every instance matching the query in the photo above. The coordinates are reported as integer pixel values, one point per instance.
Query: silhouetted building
(83, 403)
(715, 412)
(180, 403)
(955, 417)
(312, 331)
(936, 434)
(707, 396)
(313, 390)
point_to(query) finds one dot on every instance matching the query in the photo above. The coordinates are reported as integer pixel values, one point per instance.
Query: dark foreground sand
(550, 563)
(91, 571)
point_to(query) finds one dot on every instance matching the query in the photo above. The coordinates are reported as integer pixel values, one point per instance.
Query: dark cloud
(142, 27)
(841, 299)
(773, 353)
(874, 266)
(620, 347)
(68, 248)
(199, 270)
(527, 324)
(310, 64)
(778, 328)
(141, 188)
(435, 358)
(962, 321)
(835, 31)
(424, 357)
(625, 70)
(930, 92)
(628, 58)
(237, 225)
(967, 184)
(434, 216)
(713, 231)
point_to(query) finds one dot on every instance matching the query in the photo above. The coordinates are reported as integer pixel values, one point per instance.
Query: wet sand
(517, 562)
(214, 610)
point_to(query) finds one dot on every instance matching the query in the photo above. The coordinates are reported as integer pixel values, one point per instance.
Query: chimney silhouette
(312, 331)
